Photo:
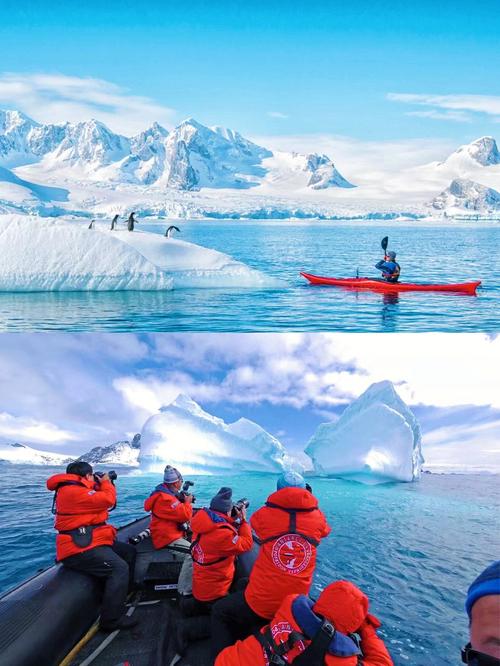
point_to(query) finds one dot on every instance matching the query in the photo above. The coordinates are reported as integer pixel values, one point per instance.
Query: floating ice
(376, 439)
(196, 442)
(57, 255)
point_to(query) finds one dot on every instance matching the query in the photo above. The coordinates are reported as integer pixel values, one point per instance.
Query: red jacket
(286, 560)
(251, 653)
(167, 515)
(84, 503)
(214, 537)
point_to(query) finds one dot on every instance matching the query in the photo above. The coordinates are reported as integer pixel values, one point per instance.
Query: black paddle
(384, 243)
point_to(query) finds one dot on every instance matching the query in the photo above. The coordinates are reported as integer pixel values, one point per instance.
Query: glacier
(182, 434)
(377, 439)
(60, 255)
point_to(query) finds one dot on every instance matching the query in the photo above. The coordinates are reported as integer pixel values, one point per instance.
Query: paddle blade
(384, 243)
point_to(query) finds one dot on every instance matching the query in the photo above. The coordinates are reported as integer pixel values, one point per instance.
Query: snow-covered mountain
(483, 152)
(184, 435)
(190, 157)
(21, 454)
(121, 454)
(376, 439)
(465, 195)
(195, 171)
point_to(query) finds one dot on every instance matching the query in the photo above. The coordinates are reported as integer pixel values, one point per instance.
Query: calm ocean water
(413, 548)
(446, 253)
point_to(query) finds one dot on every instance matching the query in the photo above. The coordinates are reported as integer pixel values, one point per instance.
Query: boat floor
(150, 643)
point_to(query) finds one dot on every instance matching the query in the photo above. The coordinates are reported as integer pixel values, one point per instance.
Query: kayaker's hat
(290, 480)
(488, 582)
(223, 501)
(391, 254)
(171, 475)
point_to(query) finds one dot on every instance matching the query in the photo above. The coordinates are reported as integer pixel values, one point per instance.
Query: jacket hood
(55, 480)
(343, 604)
(294, 498)
(206, 520)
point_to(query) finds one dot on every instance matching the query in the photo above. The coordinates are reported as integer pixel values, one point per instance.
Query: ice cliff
(376, 439)
(184, 435)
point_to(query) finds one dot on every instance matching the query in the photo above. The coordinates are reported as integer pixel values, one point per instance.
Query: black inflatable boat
(51, 619)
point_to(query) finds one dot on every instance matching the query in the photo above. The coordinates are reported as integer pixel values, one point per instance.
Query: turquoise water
(413, 548)
(446, 253)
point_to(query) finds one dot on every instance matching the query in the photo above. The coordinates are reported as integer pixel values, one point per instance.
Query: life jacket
(316, 638)
(216, 543)
(81, 510)
(295, 635)
(288, 528)
(169, 515)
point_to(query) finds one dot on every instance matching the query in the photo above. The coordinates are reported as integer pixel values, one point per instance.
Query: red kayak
(382, 285)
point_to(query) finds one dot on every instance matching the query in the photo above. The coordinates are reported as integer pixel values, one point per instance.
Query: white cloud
(455, 116)
(325, 369)
(277, 114)
(30, 430)
(381, 169)
(57, 98)
(487, 104)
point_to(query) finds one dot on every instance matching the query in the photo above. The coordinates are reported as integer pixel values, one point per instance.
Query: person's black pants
(232, 619)
(115, 564)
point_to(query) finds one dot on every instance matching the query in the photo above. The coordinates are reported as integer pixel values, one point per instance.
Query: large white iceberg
(184, 435)
(58, 255)
(376, 439)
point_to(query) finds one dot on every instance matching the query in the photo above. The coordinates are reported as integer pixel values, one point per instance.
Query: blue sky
(66, 392)
(275, 68)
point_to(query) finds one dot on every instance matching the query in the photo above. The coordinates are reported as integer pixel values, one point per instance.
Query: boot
(191, 629)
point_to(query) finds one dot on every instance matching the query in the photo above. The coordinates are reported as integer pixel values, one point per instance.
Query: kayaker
(171, 510)
(220, 534)
(304, 632)
(483, 608)
(391, 270)
(86, 543)
(288, 528)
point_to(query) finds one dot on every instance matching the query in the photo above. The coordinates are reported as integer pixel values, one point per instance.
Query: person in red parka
(303, 632)
(219, 536)
(171, 511)
(289, 528)
(86, 543)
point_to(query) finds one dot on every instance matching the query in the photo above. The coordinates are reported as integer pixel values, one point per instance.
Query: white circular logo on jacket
(291, 553)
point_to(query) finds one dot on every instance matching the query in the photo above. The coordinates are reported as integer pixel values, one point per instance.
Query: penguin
(91, 225)
(114, 222)
(131, 222)
(170, 231)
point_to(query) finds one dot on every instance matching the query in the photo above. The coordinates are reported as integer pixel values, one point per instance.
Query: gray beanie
(391, 254)
(171, 475)
(223, 501)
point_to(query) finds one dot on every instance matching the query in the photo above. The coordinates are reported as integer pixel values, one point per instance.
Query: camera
(185, 491)
(112, 476)
(242, 503)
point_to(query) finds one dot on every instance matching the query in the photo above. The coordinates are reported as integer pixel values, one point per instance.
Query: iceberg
(184, 435)
(60, 255)
(377, 439)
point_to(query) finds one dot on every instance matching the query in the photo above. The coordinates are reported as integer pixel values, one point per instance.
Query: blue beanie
(223, 501)
(290, 480)
(171, 475)
(486, 583)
